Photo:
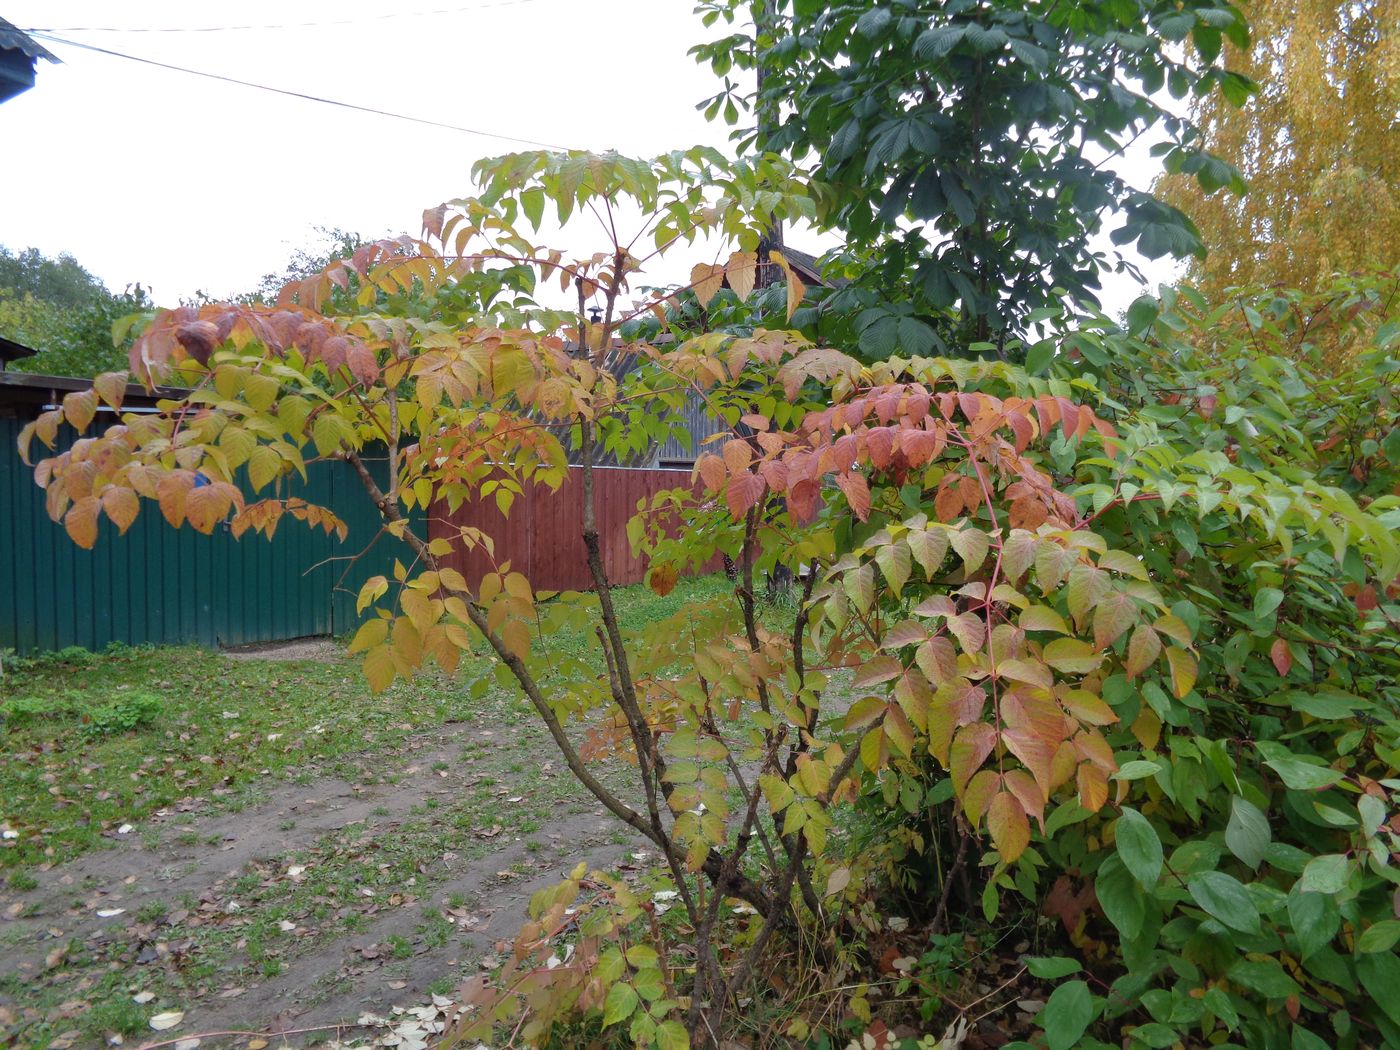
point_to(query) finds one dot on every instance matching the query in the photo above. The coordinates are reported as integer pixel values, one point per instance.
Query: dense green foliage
(970, 145)
(65, 313)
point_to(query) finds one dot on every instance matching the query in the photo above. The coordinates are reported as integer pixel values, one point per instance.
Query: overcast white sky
(184, 183)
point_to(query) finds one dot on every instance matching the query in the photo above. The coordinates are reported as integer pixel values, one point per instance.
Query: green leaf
(1137, 769)
(1142, 313)
(1303, 1039)
(1264, 976)
(1039, 356)
(672, 1036)
(1379, 974)
(619, 1005)
(1139, 846)
(1067, 1015)
(1325, 874)
(1225, 899)
(1247, 834)
(1296, 773)
(1120, 897)
(1218, 1003)
(1379, 938)
(1050, 968)
(1315, 919)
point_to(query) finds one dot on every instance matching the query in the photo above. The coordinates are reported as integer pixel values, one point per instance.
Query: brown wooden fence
(543, 537)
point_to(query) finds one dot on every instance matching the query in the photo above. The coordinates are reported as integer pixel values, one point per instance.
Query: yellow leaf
(111, 387)
(78, 408)
(1183, 668)
(741, 270)
(121, 505)
(379, 668)
(707, 280)
(370, 634)
(372, 590)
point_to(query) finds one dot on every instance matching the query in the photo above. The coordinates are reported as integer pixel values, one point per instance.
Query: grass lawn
(465, 773)
(74, 774)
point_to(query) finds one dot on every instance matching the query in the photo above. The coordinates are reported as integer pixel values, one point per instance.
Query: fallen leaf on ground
(169, 1019)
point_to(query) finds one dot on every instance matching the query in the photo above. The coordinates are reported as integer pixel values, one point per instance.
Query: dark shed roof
(13, 351)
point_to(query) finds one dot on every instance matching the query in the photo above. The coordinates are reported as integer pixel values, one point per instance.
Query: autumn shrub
(1118, 625)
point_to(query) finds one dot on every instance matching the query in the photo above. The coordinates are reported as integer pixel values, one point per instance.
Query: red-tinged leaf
(1093, 786)
(743, 493)
(1143, 649)
(860, 586)
(978, 794)
(857, 493)
(876, 670)
(914, 695)
(898, 731)
(970, 631)
(1282, 656)
(1018, 553)
(121, 505)
(1092, 746)
(1028, 793)
(864, 712)
(972, 545)
(1206, 406)
(712, 471)
(971, 746)
(929, 547)
(938, 659)
(198, 339)
(1183, 669)
(879, 446)
(1112, 616)
(737, 455)
(894, 562)
(948, 501)
(1009, 828)
(804, 500)
(1052, 562)
(1087, 587)
(81, 521)
(907, 632)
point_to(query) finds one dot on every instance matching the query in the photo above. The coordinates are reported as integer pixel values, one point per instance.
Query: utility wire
(284, 25)
(301, 95)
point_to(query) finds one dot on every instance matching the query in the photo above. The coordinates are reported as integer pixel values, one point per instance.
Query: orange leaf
(1282, 657)
(743, 493)
(1143, 648)
(662, 579)
(742, 269)
(737, 455)
(712, 471)
(121, 505)
(970, 749)
(1093, 787)
(1183, 666)
(81, 521)
(111, 387)
(1011, 831)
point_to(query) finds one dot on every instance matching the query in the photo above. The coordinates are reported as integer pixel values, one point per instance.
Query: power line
(301, 95)
(284, 25)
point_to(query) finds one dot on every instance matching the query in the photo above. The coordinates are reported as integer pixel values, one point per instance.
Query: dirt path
(321, 902)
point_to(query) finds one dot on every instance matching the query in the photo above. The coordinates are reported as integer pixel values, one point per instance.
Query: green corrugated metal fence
(171, 586)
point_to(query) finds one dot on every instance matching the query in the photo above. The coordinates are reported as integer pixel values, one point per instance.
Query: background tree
(65, 313)
(1319, 146)
(970, 144)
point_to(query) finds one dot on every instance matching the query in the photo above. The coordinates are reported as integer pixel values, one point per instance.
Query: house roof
(14, 39)
(25, 395)
(13, 351)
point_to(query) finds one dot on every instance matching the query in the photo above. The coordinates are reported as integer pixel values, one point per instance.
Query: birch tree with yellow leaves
(1319, 145)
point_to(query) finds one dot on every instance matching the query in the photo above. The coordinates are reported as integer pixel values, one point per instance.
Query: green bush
(131, 711)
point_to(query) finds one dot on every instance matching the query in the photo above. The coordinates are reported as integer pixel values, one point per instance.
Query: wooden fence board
(543, 535)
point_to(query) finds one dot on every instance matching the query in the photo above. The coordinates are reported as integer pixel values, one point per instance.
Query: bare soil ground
(322, 901)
